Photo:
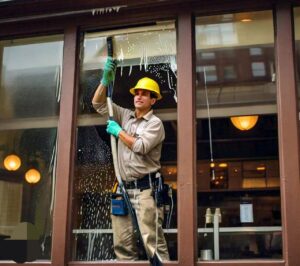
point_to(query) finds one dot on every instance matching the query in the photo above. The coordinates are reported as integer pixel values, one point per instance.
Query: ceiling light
(12, 162)
(261, 168)
(244, 122)
(32, 176)
(246, 20)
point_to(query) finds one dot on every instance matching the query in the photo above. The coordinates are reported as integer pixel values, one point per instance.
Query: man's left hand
(113, 128)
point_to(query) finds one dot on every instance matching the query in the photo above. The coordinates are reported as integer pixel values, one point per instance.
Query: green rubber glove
(109, 71)
(113, 128)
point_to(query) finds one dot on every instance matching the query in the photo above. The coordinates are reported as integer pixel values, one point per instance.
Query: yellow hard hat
(147, 84)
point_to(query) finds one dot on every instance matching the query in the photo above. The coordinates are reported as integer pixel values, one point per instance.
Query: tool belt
(160, 192)
(160, 189)
(143, 183)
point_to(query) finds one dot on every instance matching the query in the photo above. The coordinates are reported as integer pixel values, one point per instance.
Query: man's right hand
(109, 71)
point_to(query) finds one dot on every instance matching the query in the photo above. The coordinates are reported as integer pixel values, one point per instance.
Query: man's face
(142, 100)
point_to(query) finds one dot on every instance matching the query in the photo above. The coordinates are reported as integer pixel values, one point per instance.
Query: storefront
(229, 76)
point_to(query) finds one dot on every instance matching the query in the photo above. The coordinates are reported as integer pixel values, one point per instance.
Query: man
(140, 135)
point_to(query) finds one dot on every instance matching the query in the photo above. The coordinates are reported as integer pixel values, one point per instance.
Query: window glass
(148, 51)
(258, 69)
(30, 77)
(238, 188)
(30, 89)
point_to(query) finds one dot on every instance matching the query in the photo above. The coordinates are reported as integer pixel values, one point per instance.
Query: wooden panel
(66, 143)
(186, 179)
(288, 134)
(123, 263)
(244, 263)
(34, 263)
(55, 15)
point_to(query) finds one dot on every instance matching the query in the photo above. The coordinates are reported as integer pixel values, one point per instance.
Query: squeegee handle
(113, 140)
(110, 50)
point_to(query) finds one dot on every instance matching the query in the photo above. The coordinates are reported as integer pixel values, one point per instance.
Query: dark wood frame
(288, 126)
(184, 12)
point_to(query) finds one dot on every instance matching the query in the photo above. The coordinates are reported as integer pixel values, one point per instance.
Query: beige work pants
(150, 219)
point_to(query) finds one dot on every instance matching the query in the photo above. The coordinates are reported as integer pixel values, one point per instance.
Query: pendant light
(244, 122)
(12, 162)
(32, 176)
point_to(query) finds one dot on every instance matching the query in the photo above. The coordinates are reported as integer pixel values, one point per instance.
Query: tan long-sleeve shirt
(144, 156)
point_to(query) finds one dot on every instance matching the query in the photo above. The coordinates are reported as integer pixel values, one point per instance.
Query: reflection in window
(256, 51)
(30, 77)
(24, 197)
(208, 56)
(144, 51)
(229, 73)
(237, 167)
(30, 88)
(258, 69)
(210, 73)
(217, 34)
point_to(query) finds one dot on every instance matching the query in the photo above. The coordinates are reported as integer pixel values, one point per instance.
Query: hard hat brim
(132, 91)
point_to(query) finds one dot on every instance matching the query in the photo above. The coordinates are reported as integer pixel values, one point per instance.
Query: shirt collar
(146, 116)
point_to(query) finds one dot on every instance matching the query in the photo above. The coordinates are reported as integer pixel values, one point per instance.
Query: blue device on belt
(118, 205)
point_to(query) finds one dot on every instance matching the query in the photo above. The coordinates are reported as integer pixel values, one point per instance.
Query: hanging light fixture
(246, 20)
(32, 176)
(212, 164)
(212, 171)
(244, 122)
(12, 162)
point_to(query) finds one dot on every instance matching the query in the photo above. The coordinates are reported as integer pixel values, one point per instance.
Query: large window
(29, 105)
(143, 51)
(238, 189)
